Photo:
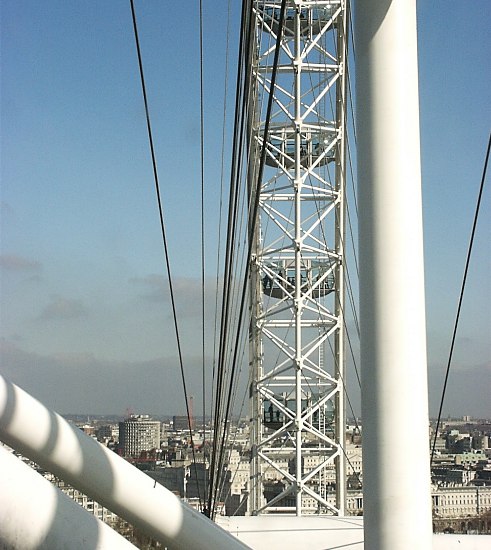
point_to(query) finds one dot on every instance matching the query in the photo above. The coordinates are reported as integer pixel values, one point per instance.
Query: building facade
(461, 502)
(138, 433)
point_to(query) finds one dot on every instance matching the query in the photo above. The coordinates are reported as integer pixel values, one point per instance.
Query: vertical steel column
(393, 344)
(255, 487)
(298, 302)
(340, 366)
(255, 497)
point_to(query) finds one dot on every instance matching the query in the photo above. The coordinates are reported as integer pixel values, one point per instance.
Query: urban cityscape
(179, 459)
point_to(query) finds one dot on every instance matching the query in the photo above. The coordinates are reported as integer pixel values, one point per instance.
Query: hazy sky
(85, 316)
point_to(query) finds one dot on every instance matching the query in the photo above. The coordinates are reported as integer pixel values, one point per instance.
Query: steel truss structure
(297, 269)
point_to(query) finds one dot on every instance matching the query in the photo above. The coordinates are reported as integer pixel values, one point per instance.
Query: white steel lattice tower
(297, 293)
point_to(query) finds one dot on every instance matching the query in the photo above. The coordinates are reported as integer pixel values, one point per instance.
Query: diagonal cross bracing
(297, 270)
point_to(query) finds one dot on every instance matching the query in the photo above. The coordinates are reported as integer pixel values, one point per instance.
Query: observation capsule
(279, 280)
(316, 147)
(312, 20)
(281, 408)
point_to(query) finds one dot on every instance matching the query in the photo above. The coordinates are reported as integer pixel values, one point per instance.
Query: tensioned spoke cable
(459, 307)
(203, 289)
(222, 179)
(352, 109)
(231, 445)
(240, 104)
(353, 49)
(164, 235)
(234, 200)
(253, 216)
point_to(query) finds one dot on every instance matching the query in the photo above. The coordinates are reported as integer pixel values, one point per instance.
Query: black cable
(164, 237)
(202, 153)
(220, 423)
(253, 214)
(233, 200)
(353, 49)
(220, 210)
(454, 335)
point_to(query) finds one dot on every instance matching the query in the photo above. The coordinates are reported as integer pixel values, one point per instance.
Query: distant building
(92, 506)
(138, 433)
(459, 476)
(440, 444)
(483, 477)
(180, 423)
(105, 432)
(188, 480)
(88, 429)
(461, 502)
(475, 458)
(480, 441)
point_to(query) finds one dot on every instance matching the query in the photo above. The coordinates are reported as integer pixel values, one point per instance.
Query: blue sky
(85, 320)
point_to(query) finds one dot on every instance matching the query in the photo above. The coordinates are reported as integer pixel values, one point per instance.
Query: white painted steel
(34, 514)
(46, 438)
(340, 237)
(287, 532)
(296, 314)
(396, 478)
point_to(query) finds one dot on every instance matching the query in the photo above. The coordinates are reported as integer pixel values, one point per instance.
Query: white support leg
(46, 438)
(396, 477)
(36, 515)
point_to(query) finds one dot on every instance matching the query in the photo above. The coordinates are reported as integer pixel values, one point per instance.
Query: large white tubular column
(396, 477)
(36, 515)
(45, 437)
